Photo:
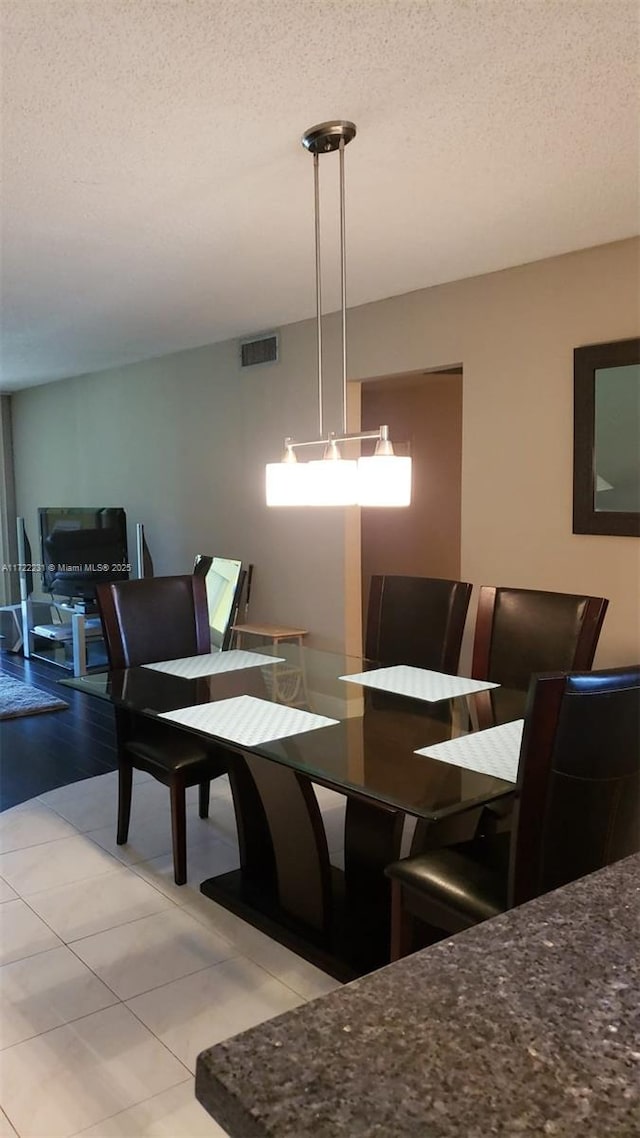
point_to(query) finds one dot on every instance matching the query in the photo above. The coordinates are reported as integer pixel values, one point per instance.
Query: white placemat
(248, 721)
(191, 667)
(418, 683)
(495, 751)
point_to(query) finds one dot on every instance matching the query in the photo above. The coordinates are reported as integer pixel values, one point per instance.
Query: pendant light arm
(384, 444)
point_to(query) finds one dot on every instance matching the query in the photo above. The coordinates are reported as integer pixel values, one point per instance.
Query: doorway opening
(424, 412)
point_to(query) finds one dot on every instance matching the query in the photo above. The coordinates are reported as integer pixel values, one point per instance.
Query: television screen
(82, 546)
(223, 579)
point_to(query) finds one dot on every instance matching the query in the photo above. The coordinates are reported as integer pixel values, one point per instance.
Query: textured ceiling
(156, 195)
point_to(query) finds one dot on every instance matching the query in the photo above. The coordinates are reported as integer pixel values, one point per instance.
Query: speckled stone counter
(526, 1025)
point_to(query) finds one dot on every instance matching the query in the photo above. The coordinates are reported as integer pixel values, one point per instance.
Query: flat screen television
(82, 546)
(224, 580)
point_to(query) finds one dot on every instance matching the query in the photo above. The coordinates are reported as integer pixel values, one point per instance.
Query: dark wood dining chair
(577, 809)
(144, 621)
(417, 621)
(522, 632)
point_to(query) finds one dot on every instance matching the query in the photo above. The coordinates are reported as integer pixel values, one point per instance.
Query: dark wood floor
(41, 752)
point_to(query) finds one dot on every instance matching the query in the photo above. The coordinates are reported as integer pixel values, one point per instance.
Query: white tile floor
(112, 979)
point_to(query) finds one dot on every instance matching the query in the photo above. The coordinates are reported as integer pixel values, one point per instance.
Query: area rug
(18, 698)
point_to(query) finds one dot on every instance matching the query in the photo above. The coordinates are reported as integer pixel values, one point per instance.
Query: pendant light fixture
(383, 479)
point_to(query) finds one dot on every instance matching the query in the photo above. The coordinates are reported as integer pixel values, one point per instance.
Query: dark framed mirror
(606, 438)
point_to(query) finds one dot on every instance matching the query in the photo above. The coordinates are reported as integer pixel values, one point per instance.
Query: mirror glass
(606, 438)
(617, 439)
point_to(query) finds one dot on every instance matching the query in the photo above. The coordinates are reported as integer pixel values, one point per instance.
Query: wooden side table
(290, 681)
(273, 632)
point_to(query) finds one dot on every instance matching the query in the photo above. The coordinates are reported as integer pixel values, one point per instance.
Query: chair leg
(125, 782)
(401, 925)
(203, 799)
(179, 832)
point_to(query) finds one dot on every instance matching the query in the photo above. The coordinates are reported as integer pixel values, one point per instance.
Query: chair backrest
(225, 581)
(155, 618)
(521, 632)
(578, 795)
(417, 621)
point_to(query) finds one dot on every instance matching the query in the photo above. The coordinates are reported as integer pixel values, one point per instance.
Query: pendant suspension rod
(343, 290)
(316, 187)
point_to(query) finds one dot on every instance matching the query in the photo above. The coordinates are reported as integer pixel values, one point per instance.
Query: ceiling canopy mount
(327, 136)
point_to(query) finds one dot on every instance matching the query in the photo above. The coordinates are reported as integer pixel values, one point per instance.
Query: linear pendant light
(382, 479)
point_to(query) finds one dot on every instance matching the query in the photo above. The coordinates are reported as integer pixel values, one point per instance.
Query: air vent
(261, 351)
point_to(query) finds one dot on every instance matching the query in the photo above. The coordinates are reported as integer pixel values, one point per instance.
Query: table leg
(254, 838)
(285, 884)
(299, 842)
(373, 834)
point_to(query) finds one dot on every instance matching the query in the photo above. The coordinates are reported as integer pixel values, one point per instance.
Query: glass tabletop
(368, 747)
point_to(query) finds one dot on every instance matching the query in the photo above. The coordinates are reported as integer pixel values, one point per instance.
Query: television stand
(76, 633)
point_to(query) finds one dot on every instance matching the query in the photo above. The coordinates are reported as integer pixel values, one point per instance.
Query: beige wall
(515, 332)
(181, 442)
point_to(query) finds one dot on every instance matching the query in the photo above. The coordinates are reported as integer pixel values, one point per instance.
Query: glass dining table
(288, 717)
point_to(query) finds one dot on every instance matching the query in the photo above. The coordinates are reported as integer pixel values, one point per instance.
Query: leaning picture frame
(606, 441)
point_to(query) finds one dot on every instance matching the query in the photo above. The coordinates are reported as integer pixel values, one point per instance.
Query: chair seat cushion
(446, 883)
(157, 748)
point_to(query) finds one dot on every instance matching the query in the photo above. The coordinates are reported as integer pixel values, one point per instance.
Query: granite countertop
(526, 1025)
